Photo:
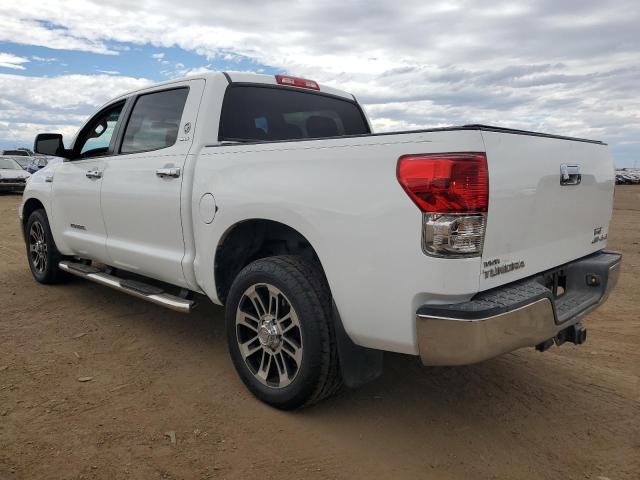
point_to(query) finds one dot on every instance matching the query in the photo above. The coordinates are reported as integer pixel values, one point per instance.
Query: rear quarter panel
(343, 196)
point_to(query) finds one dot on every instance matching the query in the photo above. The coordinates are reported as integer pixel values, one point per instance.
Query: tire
(42, 254)
(275, 304)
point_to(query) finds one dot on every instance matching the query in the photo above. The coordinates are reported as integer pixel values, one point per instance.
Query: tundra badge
(494, 268)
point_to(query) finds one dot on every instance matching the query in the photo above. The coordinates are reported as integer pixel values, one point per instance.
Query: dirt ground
(572, 412)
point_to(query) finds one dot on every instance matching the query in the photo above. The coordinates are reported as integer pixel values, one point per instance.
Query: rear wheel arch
(253, 239)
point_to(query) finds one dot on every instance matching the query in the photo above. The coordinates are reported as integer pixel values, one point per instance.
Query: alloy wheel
(38, 247)
(269, 335)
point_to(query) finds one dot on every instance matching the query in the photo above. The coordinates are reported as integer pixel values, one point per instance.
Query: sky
(570, 67)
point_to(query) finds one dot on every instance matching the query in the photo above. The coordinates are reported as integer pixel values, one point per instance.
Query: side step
(135, 288)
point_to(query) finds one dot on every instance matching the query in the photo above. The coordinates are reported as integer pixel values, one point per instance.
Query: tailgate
(534, 222)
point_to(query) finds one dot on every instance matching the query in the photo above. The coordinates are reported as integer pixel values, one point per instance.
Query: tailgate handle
(570, 174)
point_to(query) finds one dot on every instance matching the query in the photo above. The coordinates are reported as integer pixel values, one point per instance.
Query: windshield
(264, 113)
(23, 161)
(9, 164)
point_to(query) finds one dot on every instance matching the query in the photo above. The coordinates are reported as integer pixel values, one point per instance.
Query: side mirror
(49, 144)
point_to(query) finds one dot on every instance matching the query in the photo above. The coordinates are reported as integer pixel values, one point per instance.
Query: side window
(95, 140)
(154, 121)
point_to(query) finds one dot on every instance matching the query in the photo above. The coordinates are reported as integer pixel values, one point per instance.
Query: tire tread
(305, 280)
(53, 274)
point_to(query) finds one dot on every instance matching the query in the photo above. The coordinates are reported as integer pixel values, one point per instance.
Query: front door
(77, 224)
(141, 189)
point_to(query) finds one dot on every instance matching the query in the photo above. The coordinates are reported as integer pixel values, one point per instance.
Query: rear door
(77, 220)
(550, 202)
(142, 184)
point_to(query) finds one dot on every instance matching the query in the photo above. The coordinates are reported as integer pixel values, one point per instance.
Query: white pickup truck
(327, 243)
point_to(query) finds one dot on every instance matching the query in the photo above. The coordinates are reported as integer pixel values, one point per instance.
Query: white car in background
(38, 162)
(13, 177)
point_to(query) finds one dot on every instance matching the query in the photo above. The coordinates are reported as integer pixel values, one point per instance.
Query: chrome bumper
(522, 314)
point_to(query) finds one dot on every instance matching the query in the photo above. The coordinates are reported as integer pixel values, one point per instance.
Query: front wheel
(42, 254)
(280, 332)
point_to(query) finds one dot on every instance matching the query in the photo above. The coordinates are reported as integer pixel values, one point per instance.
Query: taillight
(446, 182)
(297, 82)
(452, 191)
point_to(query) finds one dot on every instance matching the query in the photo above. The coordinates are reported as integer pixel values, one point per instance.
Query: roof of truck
(239, 77)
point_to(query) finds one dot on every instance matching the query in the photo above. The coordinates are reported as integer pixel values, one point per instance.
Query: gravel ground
(157, 376)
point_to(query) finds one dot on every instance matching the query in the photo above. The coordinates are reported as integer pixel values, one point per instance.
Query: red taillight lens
(446, 182)
(297, 82)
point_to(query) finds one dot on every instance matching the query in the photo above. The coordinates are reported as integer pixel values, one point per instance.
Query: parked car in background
(16, 153)
(622, 179)
(22, 160)
(628, 177)
(13, 178)
(39, 162)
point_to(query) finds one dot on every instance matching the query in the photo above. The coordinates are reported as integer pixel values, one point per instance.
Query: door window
(154, 121)
(95, 139)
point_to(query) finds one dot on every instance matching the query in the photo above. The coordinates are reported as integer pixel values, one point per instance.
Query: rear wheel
(280, 332)
(42, 253)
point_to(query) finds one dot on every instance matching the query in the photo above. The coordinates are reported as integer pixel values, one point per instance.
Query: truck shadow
(541, 383)
(522, 393)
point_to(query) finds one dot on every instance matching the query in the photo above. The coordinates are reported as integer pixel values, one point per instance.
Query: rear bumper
(521, 314)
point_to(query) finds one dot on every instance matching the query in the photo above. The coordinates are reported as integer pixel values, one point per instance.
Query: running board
(135, 288)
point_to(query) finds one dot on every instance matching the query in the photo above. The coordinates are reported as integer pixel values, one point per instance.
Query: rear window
(264, 113)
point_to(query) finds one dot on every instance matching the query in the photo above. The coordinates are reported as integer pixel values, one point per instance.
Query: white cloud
(568, 67)
(8, 60)
(43, 59)
(30, 30)
(30, 105)
(180, 71)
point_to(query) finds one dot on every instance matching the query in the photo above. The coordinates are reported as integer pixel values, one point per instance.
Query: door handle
(93, 174)
(168, 172)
